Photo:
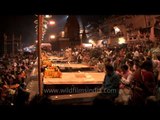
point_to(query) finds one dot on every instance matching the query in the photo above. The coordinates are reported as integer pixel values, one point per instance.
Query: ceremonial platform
(74, 78)
(73, 83)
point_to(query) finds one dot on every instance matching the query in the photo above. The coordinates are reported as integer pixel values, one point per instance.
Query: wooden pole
(40, 26)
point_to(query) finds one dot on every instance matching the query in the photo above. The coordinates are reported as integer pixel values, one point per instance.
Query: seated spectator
(126, 76)
(110, 87)
(143, 84)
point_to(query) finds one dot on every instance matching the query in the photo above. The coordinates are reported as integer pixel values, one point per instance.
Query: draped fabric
(143, 85)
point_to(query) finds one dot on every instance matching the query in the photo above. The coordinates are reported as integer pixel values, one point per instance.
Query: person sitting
(125, 90)
(143, 84)
(126, 76)
(110, 86)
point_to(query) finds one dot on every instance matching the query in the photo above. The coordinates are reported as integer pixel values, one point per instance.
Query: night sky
(24, 25)
(19, 25)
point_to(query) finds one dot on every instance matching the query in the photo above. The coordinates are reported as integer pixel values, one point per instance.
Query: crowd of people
(132, 69)
(14, 77)
(132, 72)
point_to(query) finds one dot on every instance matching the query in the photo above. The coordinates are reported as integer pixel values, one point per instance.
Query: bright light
(48, 16)
(52, 22)
(52, 37)
(90, 41)
(62, 33)
(45, 26)
(116, 29)
(81, 31)
(121, 40)
(89, 45)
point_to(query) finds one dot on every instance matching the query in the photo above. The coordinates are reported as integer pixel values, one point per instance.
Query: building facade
(132, 28)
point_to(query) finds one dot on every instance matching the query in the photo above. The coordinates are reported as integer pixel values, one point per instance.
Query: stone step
(85, 98)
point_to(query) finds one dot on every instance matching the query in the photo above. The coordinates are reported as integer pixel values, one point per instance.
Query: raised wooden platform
(73, 83)
(76, 78)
